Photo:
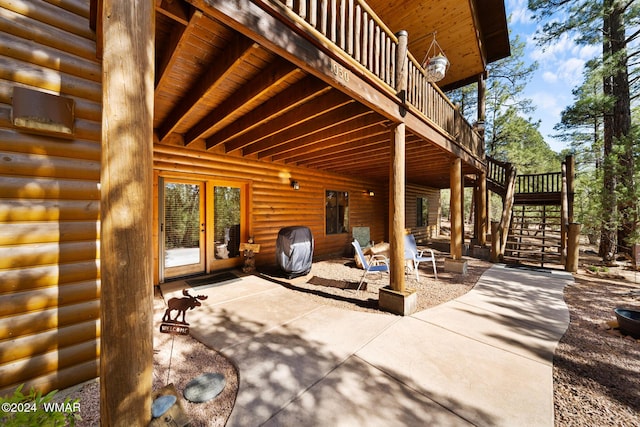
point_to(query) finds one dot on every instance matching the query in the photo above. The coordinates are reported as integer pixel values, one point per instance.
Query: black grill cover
(294, 250)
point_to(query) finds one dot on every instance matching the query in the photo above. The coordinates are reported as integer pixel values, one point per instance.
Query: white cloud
(549, 77)
(563, 61)
(548, 103)
(520, 14)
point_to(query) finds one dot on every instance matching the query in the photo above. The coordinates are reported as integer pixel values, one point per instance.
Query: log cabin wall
(49, 201)
(273, 204)
(432, 227)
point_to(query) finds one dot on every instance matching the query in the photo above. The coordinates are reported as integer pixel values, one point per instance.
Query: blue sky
(560, 67)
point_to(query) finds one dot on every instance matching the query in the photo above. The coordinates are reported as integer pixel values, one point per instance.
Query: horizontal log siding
(274, 204)
(432, 228)
(49, 201)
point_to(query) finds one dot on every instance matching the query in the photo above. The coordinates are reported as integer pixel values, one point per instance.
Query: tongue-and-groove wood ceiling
(216, 89)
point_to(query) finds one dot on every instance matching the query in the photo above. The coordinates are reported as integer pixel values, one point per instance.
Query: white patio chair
(411, 252)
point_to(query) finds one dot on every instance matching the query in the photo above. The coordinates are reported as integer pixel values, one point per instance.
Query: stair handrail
(497, 172)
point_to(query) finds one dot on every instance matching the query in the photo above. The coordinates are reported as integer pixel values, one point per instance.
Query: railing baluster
(358, 33)
(313, 10)
(376, 53)
(323, 17)
(334, 20)
(343, 18)
(372, 41)
(350, 32)
(365, 39)
(392, 56)
(383, 56)
(302, 5)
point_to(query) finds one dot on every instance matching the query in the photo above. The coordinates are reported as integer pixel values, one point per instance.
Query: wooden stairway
(535, 235)
(537, 209)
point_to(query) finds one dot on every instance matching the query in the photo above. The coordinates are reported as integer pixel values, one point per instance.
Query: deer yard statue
(182, 305)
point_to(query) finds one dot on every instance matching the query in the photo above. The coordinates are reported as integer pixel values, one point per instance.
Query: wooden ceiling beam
(357, 146)
(295, 95)
(175, 9)
(282, 151)
(234, 54)
(353, 155)
(177, 42)
(330, 117)
(344, 134)
(254, 92)
(305, 112)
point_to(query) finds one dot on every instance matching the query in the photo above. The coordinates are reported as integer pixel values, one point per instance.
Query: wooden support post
(495, 241)
(564, 214)
(573, 247)
(455, 178)
(396, 207)
(397, 176)
(507, 208)
(126, 309)
(571, 186)
(482, 98)
(481, 209)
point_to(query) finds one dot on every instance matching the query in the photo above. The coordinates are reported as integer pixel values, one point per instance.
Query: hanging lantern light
(435, 63)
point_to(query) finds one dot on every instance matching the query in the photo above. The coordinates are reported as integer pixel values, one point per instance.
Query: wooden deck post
(481, 210)
(482, 102)
(495, 241)
(571, 186)
(126, 310)
(397, 176)
(573, 248)
(564, 215)
(455, 178)
(396, 207)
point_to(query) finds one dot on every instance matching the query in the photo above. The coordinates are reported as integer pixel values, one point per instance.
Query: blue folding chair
(378, 262)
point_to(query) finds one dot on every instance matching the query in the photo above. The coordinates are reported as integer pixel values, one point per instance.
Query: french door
(201, 225)
(182, 228)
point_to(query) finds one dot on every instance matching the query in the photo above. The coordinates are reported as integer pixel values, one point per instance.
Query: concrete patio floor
(484, 359)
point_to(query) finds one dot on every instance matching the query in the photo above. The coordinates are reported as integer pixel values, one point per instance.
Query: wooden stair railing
(551, 192)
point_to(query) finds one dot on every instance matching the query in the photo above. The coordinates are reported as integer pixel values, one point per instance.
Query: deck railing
(497, 172)
(355, 28)
(539, 183)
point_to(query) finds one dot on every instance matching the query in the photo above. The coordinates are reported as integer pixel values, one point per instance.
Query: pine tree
(605, 22)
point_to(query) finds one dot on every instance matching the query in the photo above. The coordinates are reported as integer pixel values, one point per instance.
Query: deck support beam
(455, 178)
(126, 309)
(481, 225)
(396, 207)
(397, 175)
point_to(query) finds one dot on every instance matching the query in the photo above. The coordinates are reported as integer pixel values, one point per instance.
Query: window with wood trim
(422, 212)
(337, 211)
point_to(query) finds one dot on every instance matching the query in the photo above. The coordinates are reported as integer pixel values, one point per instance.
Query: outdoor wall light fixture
(370, 193)
(295, 184)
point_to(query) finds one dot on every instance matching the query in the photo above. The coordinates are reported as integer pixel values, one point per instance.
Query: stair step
(533, 237)
(534, 244)
(547, 258)
(530, 251)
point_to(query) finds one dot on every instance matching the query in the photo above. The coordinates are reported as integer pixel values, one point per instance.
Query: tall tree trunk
(622, 128)
(608, 236)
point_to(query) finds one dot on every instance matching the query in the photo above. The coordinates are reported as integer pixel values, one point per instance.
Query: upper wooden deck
(307, 83)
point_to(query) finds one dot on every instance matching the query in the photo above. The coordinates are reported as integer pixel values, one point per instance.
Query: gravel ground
(596, 368)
